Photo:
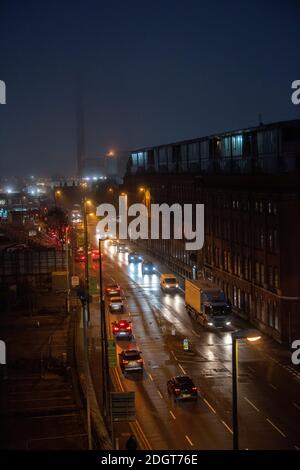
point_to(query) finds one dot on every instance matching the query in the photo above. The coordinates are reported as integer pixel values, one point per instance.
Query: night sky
(152, 72)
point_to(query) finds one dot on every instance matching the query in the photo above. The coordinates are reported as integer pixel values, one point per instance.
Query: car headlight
(210, 324)
(176, 285)
(228, 323)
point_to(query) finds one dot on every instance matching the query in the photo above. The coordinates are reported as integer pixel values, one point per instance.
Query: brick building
(249, 182)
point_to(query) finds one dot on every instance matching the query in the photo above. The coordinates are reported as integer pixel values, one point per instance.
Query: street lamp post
(86, 255)
(104, 357)
(251, 336)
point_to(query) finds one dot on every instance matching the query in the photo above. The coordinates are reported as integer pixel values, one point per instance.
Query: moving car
(95, 254)
(148, 267)
(182, 388)
(122, 329)
(131, 360)
(122, 248)
(168, 282)
(113, 290)
(135, 257)
(116, 304)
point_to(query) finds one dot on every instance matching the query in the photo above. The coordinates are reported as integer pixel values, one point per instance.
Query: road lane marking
(273, 386)
(140, 430)
(195, 333)
(296, 406)
(296, 447)
(252, 404)
(209, 406)
(159, 393)
(275, 427)
(151, 378)
(189, 440)
(172, 414)
(227, 427)
(182, 369)
(173, 354)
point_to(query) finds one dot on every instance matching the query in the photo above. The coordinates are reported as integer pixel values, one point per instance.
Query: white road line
(182, 369)
(252, 404)
(273, 386)
(172, 352)
(189, 440)
(172, 414)
(151, 378)
(195, 333)
(209, 405)
(159, 393)
(275, 427)
(297, 448)
(296, 406)
(227, 427)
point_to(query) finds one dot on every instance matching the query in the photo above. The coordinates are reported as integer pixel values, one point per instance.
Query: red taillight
(194, 389)
(125, 362)
(140, 360)
(128, 328)
(116, 328)
(177, 390)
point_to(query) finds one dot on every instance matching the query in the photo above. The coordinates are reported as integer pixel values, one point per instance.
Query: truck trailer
(207, 304)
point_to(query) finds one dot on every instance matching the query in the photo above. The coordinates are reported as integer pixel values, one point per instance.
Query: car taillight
(116, 328)
(140, 360)
(128, 328)
(177, 390)
(125, 361)
(194, 389)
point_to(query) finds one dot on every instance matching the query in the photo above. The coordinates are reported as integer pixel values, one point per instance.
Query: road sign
(123, 406)
(112, 353)
(185, 344)
(75, 281)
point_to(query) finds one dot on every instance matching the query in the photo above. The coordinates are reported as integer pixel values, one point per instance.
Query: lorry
(207, 304)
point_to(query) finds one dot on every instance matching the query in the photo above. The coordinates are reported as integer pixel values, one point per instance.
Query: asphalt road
(269, 403)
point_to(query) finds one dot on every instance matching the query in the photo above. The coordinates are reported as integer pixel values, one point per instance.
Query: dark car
(122, 248)
(148, 268)
(122, 329)
(182, 388)
(131, 360)
(135, 257)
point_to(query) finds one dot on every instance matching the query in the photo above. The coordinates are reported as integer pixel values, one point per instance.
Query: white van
(168, 283)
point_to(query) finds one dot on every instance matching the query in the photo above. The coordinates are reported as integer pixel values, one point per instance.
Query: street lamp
(86, 202)
(251, 336)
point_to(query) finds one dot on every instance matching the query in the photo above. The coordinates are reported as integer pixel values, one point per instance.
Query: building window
(276, 278)
(270, 276)
(276, 317)
(257, 273)
(262, 274)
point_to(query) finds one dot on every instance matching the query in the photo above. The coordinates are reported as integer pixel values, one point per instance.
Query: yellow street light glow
(252, 339)
(110, 190)
(88, 202)
(58, 193)
(123, 194)
(142, 189)
(111, 153)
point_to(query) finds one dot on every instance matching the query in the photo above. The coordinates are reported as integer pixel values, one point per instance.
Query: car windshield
(170, 280)
(215, 296)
